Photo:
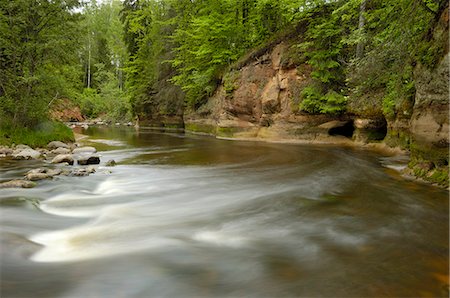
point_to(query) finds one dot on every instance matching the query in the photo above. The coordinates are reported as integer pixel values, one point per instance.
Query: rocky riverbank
(66, 159)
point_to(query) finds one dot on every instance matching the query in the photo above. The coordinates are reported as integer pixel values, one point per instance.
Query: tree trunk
(89, 63)
(362, 21)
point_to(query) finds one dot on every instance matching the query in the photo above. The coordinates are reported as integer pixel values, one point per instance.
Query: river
(194, 216)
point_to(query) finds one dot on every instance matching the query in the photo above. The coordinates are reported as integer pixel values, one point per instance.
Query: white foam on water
(398, 168)
(220, 239)
(84, 203)
(111, 186)
(82, 212)
(94, 241)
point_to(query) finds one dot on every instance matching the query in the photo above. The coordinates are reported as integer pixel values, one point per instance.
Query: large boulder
(26, 154)
(63, 158)
(84, 150)
(17, 184)
(89, 160)
(22, 147)
(57, 144)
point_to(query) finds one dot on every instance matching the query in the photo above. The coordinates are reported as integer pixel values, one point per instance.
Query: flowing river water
(194, 216)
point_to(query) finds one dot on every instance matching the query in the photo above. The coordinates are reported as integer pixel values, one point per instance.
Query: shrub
(38, 136)
(315, 102)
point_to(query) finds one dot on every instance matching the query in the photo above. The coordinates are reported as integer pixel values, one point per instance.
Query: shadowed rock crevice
(346, 130)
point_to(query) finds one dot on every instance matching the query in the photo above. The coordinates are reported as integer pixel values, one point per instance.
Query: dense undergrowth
(38, 136)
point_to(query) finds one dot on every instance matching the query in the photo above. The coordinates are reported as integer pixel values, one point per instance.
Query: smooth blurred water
(191, 216)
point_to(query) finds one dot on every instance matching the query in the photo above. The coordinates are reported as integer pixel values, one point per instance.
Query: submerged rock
(42, 173)
(84, 150)
(111, 163)
(89, 160)
(63, 158)
(37, 176)
(17, 184)
(37, 171)
(83, 171)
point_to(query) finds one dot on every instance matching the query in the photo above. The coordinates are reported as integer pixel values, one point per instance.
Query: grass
(38, 136)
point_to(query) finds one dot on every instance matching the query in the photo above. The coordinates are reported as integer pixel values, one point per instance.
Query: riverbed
(194, 216)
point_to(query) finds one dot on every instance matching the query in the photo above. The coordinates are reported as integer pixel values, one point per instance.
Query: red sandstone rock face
(265, 93)
(264, 103)
(66, 111)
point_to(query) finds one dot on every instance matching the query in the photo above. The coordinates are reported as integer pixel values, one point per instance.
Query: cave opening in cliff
(345, 130)
(377, 131)
(380, 132)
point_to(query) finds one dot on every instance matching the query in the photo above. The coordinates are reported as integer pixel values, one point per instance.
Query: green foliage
(109, 103)
(315, 102)
(399, 89)
(103, 56)
(199, 38)
(229, 81)
(206, 46)
(396, 37)
(389, 104)
(311, 99)
(37, 136)
(323, 49)
(38, 40)
(154, 57)
(430, 52)
(90, 103)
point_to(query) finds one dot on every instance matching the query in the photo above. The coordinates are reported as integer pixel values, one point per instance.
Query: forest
(121, 60)
(224, 148)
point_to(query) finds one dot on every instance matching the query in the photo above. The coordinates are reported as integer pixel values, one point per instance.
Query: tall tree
(37, 47)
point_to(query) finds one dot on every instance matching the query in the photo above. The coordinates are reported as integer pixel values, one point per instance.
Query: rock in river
(6, 151)
(111, 163)
(17, 184)
(22, 147)
(56, 145)
(89, 160)
(83, 171)
(84, 150)
(42, 173)
(37, 176)
(61, 150)
(63, 158)
(27, 154)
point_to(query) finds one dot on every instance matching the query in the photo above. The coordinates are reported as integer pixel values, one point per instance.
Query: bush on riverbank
(39, 136)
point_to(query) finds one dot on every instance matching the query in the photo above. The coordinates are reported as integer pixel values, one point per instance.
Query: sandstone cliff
(260, 99)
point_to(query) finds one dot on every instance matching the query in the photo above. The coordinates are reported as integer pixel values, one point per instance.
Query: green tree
(103, 57)
(37, 57)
